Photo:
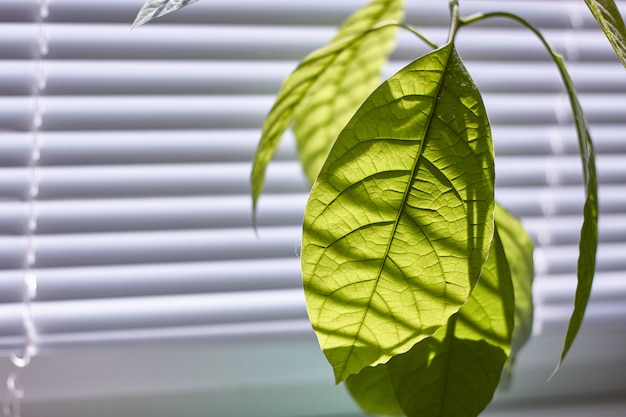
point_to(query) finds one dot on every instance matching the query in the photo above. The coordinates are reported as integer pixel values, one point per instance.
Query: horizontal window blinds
(140, 229)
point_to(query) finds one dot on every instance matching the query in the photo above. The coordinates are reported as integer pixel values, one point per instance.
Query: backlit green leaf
(157, 8)
(518, 248)
(610, 20)
(399, 222)
(326, 89)
(455, 372)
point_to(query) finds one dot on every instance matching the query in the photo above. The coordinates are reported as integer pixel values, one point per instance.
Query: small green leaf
(399, 222)
(610, 20)
(518, 248)
(157, 8)
(326, 89)
(455, 372)
(372, 391)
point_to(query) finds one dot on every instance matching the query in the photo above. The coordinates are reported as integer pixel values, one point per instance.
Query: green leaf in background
(518, 248)
(610, 20)
(372, 391)
(455, 372)
(399, 222)
(157, 8)
(339, 91)
(326, 89)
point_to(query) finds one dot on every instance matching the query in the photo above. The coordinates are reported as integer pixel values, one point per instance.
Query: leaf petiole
(417, 33)
(455, 20)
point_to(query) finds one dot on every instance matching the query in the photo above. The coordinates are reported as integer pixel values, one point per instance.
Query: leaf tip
(136, 23)
(556, 369)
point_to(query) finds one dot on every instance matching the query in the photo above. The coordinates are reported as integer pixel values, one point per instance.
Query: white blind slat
(130, 181)
(74, 77)
(233, 178)
(564, 200)
(121, 147)
(140, 280)
(243, 111)
(159, 213)
(164, 246)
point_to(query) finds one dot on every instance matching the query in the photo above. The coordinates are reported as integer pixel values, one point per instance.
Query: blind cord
(12, 404)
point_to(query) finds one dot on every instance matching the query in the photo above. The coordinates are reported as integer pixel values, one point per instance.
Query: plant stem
(419, 35)
(483, 16)
(410, 28)
(454, 20)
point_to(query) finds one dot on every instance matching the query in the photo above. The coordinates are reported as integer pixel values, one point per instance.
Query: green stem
(483, 16)
(419, 35)
(407, 27)
(455, 21)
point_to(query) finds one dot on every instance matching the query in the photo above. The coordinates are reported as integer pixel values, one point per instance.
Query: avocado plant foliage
(417, 282)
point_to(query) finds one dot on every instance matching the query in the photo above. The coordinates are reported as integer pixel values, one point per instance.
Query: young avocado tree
(417, 283)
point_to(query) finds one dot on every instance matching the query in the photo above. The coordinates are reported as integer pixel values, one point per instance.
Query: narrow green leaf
(399, 222)
(610, 20)
(372, 391)
(588, 245)
(455, 372)
(157, 8)
(518, 248)
(326, 89)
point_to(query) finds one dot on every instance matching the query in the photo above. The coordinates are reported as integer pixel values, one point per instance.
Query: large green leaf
(399, 222)
(455, 372)
(327, 87)
(610, 20)
(518, 248)
(157, 8)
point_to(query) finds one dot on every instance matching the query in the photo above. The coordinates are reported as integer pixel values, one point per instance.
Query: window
(154, 295)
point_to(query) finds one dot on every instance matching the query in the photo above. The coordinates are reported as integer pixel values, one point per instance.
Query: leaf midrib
(404, 201)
